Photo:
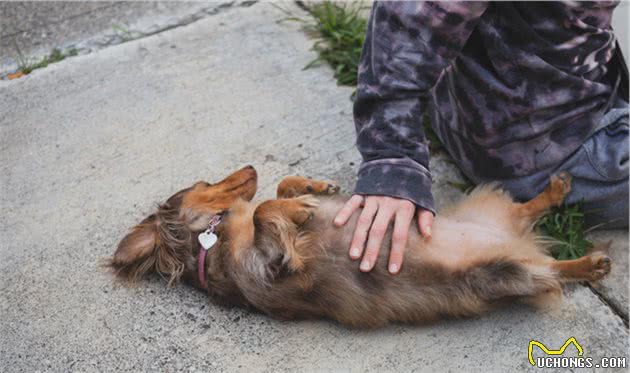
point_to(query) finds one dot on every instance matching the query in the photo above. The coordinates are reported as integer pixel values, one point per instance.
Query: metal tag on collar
(216, 219)
(207, 238)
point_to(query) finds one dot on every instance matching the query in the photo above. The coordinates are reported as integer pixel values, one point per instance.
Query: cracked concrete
(614, 288)
(32, 29)
(90, 144)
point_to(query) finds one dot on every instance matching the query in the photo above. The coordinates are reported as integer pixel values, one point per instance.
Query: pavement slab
(613, 289)
(30, 30)
(90, 145)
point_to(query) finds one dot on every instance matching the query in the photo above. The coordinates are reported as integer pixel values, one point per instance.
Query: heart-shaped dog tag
(207, 239)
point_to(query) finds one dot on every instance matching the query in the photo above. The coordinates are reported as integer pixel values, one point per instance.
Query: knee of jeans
(607, 152)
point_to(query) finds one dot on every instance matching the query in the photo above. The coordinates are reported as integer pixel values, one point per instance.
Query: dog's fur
(286, 258)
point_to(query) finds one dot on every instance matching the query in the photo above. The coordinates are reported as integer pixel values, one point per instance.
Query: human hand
(378, 211)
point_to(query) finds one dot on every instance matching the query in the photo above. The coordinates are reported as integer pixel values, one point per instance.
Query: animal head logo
(559, 351)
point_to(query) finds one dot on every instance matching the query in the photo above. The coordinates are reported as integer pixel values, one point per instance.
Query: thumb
(425, 222)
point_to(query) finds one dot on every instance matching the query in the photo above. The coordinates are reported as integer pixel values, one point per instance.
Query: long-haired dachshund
(285, 257)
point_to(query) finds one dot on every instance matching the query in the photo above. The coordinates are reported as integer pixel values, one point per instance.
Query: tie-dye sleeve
(407, 47)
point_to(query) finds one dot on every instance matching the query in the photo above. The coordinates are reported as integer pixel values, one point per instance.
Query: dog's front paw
(332, 189)
(319, 187)
(304, 209)
(294, 186)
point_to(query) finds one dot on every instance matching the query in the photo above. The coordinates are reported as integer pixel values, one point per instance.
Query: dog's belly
(457, 233)
(456, 241)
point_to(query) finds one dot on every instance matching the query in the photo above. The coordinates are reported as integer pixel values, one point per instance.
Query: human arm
(407, 47)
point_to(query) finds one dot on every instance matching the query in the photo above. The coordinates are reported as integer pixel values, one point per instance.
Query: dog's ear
(135, 254)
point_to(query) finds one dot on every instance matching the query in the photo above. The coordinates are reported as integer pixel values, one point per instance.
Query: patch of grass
(565, 226)
(56, 55)
(340, 32)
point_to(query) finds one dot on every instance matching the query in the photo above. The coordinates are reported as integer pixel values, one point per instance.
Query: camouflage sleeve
(407, 47)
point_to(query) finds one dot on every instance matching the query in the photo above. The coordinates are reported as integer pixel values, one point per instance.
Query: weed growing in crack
(26, 66)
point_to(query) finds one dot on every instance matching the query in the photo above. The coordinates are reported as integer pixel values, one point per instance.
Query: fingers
(372, 227)
(348, 209)
(425, 222)
(399, 238)
(377, 232)
(362, 228)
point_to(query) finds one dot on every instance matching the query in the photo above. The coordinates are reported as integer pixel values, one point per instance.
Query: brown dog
(286, 258)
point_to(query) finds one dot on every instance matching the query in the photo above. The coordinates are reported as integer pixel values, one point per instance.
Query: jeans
(600, 173)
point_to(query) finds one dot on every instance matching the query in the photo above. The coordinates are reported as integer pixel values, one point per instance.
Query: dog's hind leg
(587, 268)
(295, 186)
(501, 279)
(553, 195)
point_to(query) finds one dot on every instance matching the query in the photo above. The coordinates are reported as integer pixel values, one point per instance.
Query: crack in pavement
(19, 31)
(612, 306)
(194, 17)
(108, 39)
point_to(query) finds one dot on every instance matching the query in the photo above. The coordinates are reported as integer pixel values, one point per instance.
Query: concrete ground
(30, 30)
(91, 144)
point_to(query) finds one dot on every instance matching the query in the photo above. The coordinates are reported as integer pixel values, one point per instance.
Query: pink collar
(207, 239)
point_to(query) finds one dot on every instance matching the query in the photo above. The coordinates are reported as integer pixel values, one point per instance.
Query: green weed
(340, 32)
(56, 55)
(564, 225)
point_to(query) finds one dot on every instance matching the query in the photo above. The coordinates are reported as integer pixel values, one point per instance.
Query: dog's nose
(249, 170)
